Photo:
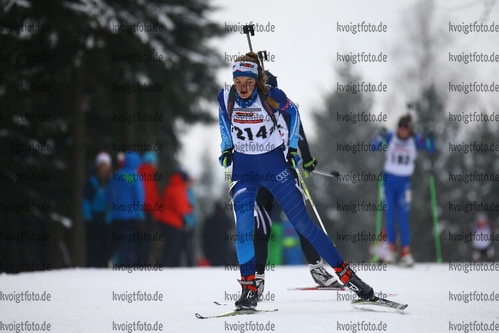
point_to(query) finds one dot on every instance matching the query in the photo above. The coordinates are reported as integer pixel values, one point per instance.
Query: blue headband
(245, 68)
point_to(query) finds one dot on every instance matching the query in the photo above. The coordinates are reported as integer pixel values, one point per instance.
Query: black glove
(309, 166)
(294, 160)
(226, 158)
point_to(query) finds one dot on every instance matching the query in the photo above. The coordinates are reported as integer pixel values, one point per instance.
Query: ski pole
(229, 180)
(227, 175)
(379, 213)
(263, 56)
(434, 208)
(249, 29)
(379, 218)
(310, 199)
(331, 174)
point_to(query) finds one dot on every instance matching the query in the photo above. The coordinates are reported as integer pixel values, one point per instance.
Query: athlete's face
(403, 132)
(244, 86)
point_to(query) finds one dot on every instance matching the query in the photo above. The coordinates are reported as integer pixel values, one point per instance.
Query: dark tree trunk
(129, 108)
(78, 244)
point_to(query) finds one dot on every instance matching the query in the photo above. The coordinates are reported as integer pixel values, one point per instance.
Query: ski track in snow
(81, 300)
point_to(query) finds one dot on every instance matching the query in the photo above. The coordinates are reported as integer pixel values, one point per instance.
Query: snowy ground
(82, 300)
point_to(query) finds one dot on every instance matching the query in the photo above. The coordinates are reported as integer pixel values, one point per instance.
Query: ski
(320, 288)
(234, 313)
(232, 303)
(339, 289)
(380, 302)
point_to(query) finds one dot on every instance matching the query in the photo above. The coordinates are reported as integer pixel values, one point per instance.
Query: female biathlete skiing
(248, 115)
(264, 205)
(401, 152)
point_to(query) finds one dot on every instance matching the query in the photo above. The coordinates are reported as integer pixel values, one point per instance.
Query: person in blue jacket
(251, 142)
(401, 152)
(264, 214)
(96, 212)
(126, 199)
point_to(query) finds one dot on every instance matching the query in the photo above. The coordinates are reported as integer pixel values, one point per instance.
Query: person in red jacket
(175, 207)
(148, 171)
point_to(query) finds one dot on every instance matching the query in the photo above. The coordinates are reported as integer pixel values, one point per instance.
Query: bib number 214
(246, 133)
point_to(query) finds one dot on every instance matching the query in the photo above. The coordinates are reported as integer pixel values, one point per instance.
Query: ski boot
(249, 294)
(353, 282)
(406, 258)
(391, 257)
(322, 277)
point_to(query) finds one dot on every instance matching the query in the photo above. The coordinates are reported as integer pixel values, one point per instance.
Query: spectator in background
(125, 196)
(120, 157)
(172, 219)
(147, 169)
(481, 233)
(217, 247)
(95, 212)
